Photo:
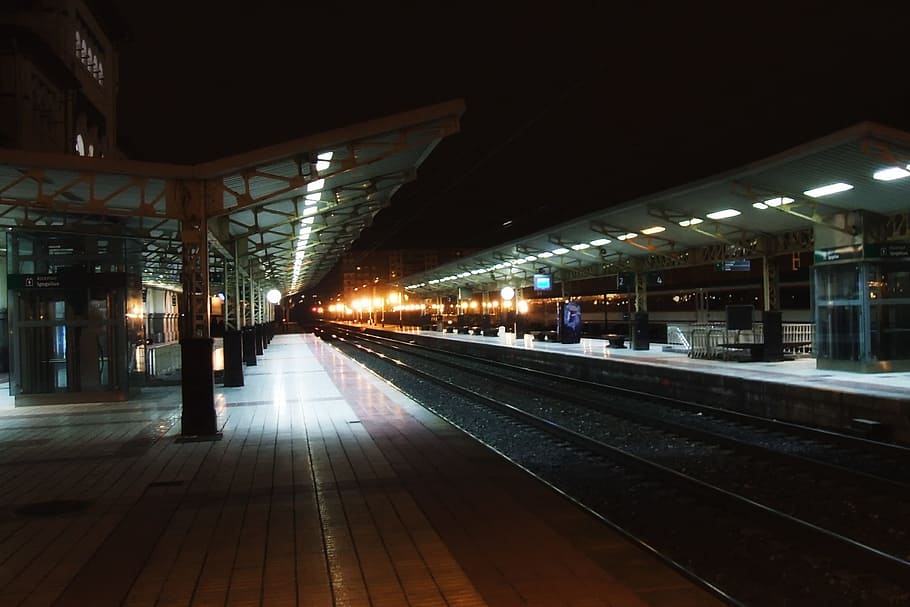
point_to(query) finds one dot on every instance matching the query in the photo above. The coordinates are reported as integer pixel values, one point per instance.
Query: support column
(238, 284)
(249, 346)
(233, 358)
(641, 336)
(198, 419)
(252, 298)
(770, 284)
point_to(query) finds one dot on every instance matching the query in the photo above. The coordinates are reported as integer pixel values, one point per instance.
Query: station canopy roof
(767, 207)
(285, 212)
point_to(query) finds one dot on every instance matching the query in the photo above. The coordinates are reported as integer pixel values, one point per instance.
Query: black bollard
(233, 358)
(249, 346)
(257, 339)
(198, 389)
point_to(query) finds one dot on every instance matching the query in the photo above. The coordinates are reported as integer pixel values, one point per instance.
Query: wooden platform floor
(327, 488)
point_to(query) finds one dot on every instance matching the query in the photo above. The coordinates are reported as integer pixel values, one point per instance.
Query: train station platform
(327, 487)
(873, 404)
(793, 371)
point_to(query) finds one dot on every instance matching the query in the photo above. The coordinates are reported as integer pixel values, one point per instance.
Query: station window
(88, 55)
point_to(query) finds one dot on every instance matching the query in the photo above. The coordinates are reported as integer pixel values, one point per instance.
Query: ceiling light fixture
(891, 173)
(827, 190)
(323, 161)
(723, 214)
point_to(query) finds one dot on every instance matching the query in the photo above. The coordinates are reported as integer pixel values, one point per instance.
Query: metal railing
(704, 339)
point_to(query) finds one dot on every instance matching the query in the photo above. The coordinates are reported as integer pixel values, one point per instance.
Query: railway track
(761, 513)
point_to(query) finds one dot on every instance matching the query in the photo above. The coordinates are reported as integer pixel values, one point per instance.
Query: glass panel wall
(862, 315)
(889, 310)
(838, 313)
(68, 298)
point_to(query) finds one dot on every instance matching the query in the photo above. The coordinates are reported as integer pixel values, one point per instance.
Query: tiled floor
(327, 488)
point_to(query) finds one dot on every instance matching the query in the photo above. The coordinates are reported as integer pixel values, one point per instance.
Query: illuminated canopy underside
(765, 208)
(289, 211)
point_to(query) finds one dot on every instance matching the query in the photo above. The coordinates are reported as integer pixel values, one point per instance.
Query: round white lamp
(273, 296)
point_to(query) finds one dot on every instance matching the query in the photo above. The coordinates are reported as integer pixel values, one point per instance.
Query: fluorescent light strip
(627, 236)
(560, 251)
(600, 242)
(723, 214)
(891, 173)
(827, 190)
(653, 230)
(772, 202)
(323, 161)
(581, 246)
(690, 222)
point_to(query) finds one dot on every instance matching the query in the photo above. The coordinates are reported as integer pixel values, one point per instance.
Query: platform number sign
(625, 281)
(655, 279)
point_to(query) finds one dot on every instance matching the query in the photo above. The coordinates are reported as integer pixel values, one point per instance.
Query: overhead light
(627, 236)
(530, 258)
(323, 161)
(826, 190)
(653, 230)
(600, 242)
(690, 222)
(891, 173)
(772, 202)
(560, 251)
(545, 254)
(581, 246)
(776, 202)
(724, 214)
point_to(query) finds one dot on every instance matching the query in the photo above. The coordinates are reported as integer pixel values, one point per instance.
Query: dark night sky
(571, 106)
